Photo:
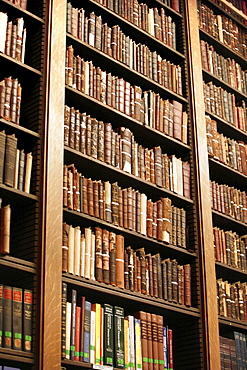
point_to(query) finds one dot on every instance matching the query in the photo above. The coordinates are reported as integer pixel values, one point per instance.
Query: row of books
(127, 208)
(230, 248)
(12, 37)
(106, 335)
(16, 318)
(232, 299)
(228, 151)
(226, 69)
(119, 149)
(239, 4)
(223, 29)
(21, 3)
(10, 99)
(152, 20)
(83, 76)
(15, 165)
(5, 218)
(100, 255)
(223, 104)
(229, 200)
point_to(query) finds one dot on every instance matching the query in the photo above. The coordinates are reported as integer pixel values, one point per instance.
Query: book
(9, 160)
(7, 316)
(108, 342)
(86, 341)
(118, 337)
(1, 315)
(27, 319)
(17, 318)
(64, 300)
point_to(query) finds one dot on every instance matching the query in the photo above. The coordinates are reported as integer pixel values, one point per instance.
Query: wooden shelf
(126, 298)
(24, 132)
(17, 356)
(20, 12)
(225, 272)
(228, 14)
(227, 222)
(232, 323)
(11, 262)
(219, 171)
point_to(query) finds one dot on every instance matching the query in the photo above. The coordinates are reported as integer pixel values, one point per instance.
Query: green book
(108, 334)
(119, 337)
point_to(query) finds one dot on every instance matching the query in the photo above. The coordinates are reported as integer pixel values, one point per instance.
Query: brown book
(9, 161)
(150, 342)
(66, 124)
(120, 261)
(98, 254)
(90, 197)
(5, 217)
(112, 251)
(160, 342)
(174, 281)
(186, 179)
(65, 247)
(2, 153)
(130, 268)
(141, 254)
(115, 203)
(84, 197)
(105, 257)
(149, 218)
(28, 172)
(155, 276)
(126, 270)
(177, 119)
(187, 285)
(107, 142)
(96, 198)
(158, 166)
(159, 275)
(154, 327)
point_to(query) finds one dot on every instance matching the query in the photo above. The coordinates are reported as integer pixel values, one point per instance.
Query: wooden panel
(202, 190)
(53, 106)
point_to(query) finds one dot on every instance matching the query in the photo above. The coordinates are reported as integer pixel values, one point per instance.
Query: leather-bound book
(166, 203)
(84, 196)
(141, 253)
(90, 197)
(187, 285)
(77, 130)
(115, 204)
(137, 275)
(105, 256)
(166, 171)
(69, 66)
(2, 153)
(154, 224)
(98, 254)
(158, 166)
(177, 119)
(7, 100)
(13, 100)
(17, 318)
(126, 270)
(7, 316)
(65, 247)
(160, 341)
(100, 146)
(154, 327)
(126, 149)
(120, 207)
(155, 276)
(9, 161)
(149, 265)
(130, 268)
(28, 172)
(108, 201)
(101, 200)
(66, 124)
(159, 275)
(96, 199)
(112, 257)
(150, 218)
(186, 179)
(174, 281)
(164, 279)
(120, 261)
(13, 41)
(107, 142)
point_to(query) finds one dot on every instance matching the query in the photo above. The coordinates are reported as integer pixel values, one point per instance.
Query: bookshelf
(50, 85)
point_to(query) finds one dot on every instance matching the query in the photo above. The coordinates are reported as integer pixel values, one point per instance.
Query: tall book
(108, 341)
(27, 319)
(1, 315)
(17, 318)
(7, 314)
(119, 337)
(86, 346)
(9, 160)
(64, 300)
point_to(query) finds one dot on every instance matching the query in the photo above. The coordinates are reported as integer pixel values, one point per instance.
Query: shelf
(226, 13)
(16, 196)
(21, 131)
(224, 271)
(21, 68)
(95, 290)
(228, 223)
(232, 323)
(145, 134)
(121, 70)
(227, 128)
(11, 262)
(20, 12)
(88, 166)
(131, 237)
(18, 356)
(220, 172)
(135, 32)
(223, 49)
(218, 82)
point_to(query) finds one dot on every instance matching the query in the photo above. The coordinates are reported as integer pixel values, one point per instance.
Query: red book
(170, 349)
(77, 333)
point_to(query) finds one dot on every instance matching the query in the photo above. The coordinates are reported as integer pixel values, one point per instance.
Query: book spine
(86, 348)
(17, 319)
(1, 315)
(108, 335)
(7, 317)
(119, 337)
(64, 300)
(27, 319)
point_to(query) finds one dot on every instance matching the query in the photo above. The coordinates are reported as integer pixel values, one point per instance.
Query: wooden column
(202, 189)
(51, 197)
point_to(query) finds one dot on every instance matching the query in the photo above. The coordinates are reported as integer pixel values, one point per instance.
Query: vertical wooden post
(202, 189)
(51, 193)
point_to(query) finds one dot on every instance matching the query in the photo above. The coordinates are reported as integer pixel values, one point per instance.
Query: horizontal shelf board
(19, 66)
(131, 237)
(220, 172)
(218, 82)
(229, 322)
(138, 34)
(228, 223)
(224, 49)
(17, 264)
(19, 356)
(226, 272)
(20, 11)
(145, 134)
(11, 126)
(77, 364)
(174, 12)
(227, 128)
(128, 295)
(88, 165)
(15, 195)
(120, 69)
(227, 14)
